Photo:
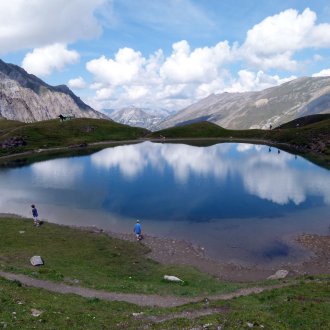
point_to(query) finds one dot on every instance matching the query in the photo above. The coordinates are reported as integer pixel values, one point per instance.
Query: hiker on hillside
(36, 222)
(138, 231)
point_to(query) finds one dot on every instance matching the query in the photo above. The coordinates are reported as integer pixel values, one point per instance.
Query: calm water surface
(242, 202)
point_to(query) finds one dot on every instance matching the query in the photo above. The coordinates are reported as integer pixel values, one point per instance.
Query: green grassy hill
(311, 138)
(305, 121)
(54, 133)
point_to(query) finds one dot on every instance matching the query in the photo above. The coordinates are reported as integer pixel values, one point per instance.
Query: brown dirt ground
(170, 251)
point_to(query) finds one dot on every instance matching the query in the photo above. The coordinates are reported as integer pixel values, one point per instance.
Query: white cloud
(188, 74)
(172, 82)
(124, 68)
(199, 65)
(317, 57)
(77, 83)
(43, 61)
(251, 81)
(322, 73)
(273, 42)
(30, 24)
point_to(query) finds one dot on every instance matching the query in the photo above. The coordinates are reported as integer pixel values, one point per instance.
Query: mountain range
(139, 117)
(273, 106)
(25, 97)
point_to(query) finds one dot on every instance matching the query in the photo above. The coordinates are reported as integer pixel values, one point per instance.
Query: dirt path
(138, 299)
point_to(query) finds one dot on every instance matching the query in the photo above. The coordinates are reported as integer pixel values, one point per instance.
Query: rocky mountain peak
(25, 97)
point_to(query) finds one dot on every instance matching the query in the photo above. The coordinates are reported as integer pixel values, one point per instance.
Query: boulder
(282, 273)
(36, 261)
(172, 278)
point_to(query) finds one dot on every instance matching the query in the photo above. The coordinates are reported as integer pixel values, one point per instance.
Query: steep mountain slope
(273, 106)
(139, 117)
(26, 98)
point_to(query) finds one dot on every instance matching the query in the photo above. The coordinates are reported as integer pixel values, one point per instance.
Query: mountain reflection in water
(240, 201)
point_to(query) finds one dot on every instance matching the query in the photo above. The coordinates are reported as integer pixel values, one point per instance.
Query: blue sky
(165, 53)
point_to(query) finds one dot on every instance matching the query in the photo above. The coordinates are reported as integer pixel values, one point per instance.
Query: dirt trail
(138, 299)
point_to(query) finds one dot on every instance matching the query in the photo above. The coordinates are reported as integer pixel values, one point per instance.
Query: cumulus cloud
(322, 73)
(172, 81)
(251, 81)
(124, 68)
(43, 61)
(200, 65)
(273, 42)
(31, 24)
(187, 75)
(77, 83)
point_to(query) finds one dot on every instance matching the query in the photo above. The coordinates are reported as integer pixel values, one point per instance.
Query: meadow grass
(54, 133)
(96, 261)
(305, 306)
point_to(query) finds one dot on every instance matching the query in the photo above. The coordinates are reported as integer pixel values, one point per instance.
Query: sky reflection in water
(240, 201)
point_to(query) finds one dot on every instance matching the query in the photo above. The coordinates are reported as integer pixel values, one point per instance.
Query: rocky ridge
(25, 97)
(273, 106)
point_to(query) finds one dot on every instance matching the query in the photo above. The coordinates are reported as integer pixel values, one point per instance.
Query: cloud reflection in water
(269, 176)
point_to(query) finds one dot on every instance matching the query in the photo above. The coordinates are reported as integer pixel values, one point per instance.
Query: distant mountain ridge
(273, 106)
(139, 117)
(25, 97)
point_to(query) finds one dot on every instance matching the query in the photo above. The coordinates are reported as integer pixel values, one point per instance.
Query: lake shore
(170, 251)
(21, 158)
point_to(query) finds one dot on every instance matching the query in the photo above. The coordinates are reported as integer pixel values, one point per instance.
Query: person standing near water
(35, 215)
(137, 230)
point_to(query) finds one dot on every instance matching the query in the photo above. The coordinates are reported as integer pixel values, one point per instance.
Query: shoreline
(180, 252)
(103, 144)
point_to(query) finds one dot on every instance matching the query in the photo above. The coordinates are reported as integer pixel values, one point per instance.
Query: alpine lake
(242, 203)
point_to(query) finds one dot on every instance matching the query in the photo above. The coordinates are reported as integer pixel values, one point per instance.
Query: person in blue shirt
(35, 215)
(137, 230)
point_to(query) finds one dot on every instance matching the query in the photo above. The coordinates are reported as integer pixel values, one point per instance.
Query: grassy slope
(304, 121)
(302, 306)
(53, 133)
(96, 260)
(105, 263)
(312, 140)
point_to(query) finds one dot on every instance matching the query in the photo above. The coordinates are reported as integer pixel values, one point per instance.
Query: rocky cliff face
(273, 106)
(26, 98)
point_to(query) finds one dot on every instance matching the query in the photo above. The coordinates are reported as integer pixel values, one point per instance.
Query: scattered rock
(13, 142)
(137, 314)
(172, 278)
(4, 325)
(22, 231)
(249, 324)
(36, 261)
(36, 312)
(282, 273)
